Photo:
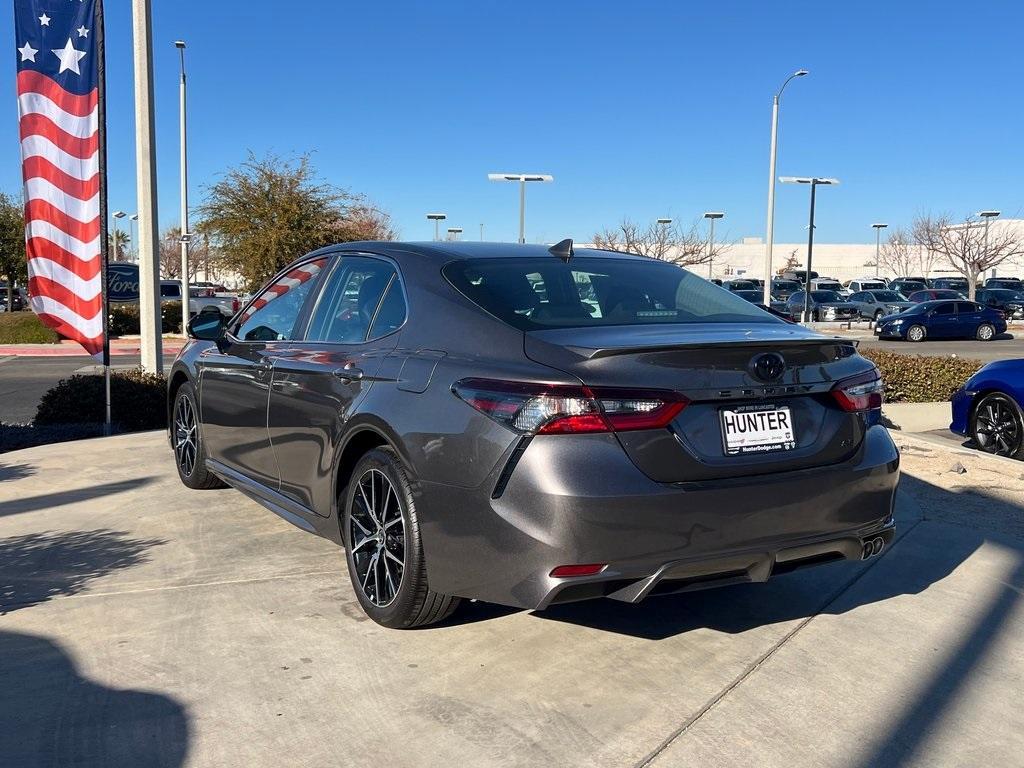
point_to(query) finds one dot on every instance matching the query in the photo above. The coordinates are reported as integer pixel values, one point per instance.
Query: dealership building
(840, 261)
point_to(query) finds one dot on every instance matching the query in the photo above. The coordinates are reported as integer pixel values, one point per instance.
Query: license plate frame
(777, 437)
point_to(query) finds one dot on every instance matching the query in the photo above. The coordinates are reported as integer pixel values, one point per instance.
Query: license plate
(757, 429)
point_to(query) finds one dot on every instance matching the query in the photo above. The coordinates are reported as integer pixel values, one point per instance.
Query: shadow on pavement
(52, 716)
(59, 498)
(16, 471)
(37, 567)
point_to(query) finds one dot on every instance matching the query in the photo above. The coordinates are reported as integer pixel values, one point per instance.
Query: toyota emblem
(768, 367)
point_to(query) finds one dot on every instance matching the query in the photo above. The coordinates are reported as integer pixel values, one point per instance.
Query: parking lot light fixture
(814, 181)
(522, 178)
(711, 216)
(773, 151)
(437, 218)
(987, 216)
(454, 232)
(878, 242)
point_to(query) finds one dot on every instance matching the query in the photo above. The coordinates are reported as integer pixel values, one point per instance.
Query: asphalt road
(24, 381)
(1002, 348)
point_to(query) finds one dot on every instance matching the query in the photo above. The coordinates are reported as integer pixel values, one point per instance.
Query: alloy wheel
(986, 332)
(997, 428)
(185, 432)
(377, 536)
(916, 333)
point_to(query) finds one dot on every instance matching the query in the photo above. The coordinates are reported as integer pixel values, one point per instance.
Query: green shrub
(25, 328)
(920, 378)
(124, 318)
(138, 400)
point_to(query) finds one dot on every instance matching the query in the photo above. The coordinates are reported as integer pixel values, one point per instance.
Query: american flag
(58, 79)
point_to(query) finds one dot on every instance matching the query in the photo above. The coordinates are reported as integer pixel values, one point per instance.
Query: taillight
(862, 392)
(557, 409)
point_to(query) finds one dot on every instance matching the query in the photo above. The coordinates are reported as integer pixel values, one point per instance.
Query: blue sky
(639, 109)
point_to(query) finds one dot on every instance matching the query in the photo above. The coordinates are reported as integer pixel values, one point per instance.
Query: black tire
(190, 454)
(985, 332)
(997, 426)
(917, 333)
(410, 603)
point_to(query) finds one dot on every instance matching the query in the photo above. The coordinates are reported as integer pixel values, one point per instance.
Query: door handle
(263, 370)
(349, 373)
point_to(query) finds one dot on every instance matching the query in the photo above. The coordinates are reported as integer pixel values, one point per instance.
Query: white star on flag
(82, 32)
(69, 57)
(44, 20)
(28, 53)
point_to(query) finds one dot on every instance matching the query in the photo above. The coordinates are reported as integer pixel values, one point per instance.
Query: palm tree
(117, 244)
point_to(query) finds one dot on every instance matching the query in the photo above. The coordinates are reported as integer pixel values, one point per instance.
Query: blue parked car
(988, 409)
(943, 319)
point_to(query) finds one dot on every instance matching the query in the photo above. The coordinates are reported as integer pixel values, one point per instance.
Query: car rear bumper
(580, 500)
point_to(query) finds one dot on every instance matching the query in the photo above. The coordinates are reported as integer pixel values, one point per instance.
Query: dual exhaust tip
(872, 547)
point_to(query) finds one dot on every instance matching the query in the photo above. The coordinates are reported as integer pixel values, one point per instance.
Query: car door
(320, 378)
(863, 301)
(235, 375)
(942, 321)
(969, 317)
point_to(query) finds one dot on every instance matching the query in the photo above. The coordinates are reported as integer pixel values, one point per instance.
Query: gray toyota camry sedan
(529, 425)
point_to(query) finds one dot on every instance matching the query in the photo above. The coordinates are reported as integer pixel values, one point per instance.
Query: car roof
(444, 252)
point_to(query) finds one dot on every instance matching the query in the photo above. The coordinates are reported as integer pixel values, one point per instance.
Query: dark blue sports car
(988, 409)
(944, 319)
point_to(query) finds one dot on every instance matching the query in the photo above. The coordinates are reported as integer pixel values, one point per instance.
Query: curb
(72, 349)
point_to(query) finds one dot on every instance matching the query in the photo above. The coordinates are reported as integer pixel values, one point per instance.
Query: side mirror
(208, 325)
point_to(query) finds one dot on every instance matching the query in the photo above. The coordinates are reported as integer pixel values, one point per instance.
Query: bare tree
(900, 253)
(170, 254)
(672, 243)
(963, 245)
(792, 262)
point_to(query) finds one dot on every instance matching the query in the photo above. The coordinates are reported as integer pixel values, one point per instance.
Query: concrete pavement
(145, 624)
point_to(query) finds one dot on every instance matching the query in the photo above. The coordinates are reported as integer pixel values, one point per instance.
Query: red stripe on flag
(44, 286)
(34, 124)
(92, 345)
(30, 81)
(40, 248)
(41, 168)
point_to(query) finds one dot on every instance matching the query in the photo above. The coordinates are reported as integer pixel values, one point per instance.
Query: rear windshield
(828, 286)
(786, 285)
(1004, 294)
(825, 296)
(538, 293)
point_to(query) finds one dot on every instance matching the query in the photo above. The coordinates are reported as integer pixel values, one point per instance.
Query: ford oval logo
(123, 282)
(768, 367)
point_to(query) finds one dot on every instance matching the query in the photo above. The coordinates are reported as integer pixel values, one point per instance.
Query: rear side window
(967, 307)
(391, 313)
(274, 313)
(349, 302)
(546, 292)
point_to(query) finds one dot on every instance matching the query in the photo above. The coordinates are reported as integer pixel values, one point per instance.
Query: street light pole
(522, 178)
(131, 227)
(481, 232)
(453, 233)
(437, 218)
(770, 229)
(878, 243)
(185, 234)
(987, 215)
(117, 215)
(814, 181)
(663, 223)
(711, 216)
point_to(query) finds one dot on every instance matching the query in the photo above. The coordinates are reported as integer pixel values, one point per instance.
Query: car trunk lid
(712, 365)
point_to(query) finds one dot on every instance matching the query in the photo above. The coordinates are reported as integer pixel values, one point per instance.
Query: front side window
(538, 293)
(273, 315)
(944, 309)
(351, 301)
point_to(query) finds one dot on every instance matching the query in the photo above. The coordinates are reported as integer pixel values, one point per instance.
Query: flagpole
(101, 92)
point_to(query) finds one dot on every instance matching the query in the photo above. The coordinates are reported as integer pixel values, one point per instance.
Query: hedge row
(124, 318)
(138, 400)
(920, 378)
(25, 328)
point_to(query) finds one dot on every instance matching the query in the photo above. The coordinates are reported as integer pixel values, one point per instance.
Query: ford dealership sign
(123, 282)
